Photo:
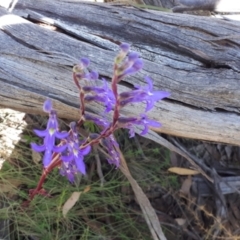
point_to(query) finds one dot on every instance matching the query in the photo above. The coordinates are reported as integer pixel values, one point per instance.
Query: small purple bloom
(110, 144)
(47, 106)
(134, 68)
(97, 120)
(91, 76)
(104, 89)
(125, 47)
(143, 121)
(49, 134)
(84, 62)
(69, 170)
(133, 56)
(73, 159)
(93, 89)
(132, 64)
(75, 156)
(103, 99)
(143, 94)
(101, 94)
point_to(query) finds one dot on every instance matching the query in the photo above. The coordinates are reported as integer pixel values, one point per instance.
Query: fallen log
(195, 58)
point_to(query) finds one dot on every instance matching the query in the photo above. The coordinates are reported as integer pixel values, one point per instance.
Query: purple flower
(110, 145)
(143, 121)
(104, 89)
(130, 65)
(89, 76)
(124, 49)
(84, 62)
(69, 170)
(103, 99)
(73, 160)
(133, 68)
(47, 106)
(143, 94)
(97, 120)
(101, 94)
(49, 134)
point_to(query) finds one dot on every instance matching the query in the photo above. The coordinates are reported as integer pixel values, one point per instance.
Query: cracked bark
(195, 58)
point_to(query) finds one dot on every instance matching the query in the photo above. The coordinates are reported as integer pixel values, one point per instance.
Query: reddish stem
(55, 162)
(115, 80)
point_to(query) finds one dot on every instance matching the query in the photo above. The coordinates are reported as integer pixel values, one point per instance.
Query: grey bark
(194, 58)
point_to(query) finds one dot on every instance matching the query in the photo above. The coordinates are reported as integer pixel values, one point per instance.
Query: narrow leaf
(70, 203)
(183, 171)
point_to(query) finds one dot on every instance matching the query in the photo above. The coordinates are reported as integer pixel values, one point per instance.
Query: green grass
(107, 212)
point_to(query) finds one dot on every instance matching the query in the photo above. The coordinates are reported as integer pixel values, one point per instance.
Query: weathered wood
(197, 59)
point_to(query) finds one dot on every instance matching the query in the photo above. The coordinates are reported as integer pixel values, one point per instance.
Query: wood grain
(197, 59)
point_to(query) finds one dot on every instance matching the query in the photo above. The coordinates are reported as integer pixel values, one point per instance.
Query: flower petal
(47, 106)
(149, 106)
(93, 75)
(131, 132)
(47, 158)
(41, 133)
(154, 123)
(38, 148)
(61, 135)
(86, 150)
(80, 165)
(150, 84)
(49, 141)
(67, 158)
(159, 95)
(137, 66)
(125, 47)
(85, 62)
(145, 130)
(59, 149)
(133, 56)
